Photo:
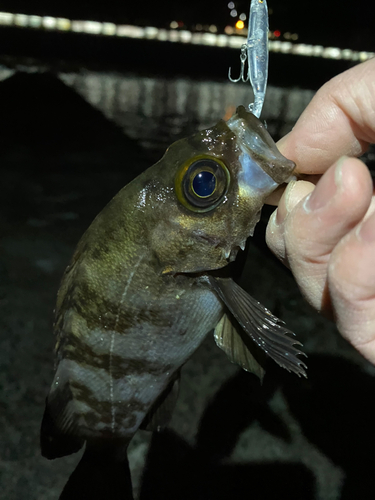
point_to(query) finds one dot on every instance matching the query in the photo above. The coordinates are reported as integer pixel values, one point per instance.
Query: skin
(326, 233)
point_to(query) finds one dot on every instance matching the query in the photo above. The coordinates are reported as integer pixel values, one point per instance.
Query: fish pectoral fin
(55, 443)
(265, 329)
(228, 338)
(161, 412)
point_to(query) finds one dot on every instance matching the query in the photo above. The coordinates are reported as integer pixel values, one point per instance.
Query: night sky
(337, 22)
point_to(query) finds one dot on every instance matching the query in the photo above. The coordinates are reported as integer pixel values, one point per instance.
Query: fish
(149, 280)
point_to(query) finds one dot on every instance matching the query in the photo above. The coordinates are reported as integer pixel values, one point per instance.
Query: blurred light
(109, 29)
(62, 24)
(49, 22)
(243, 17)
(363, 56)
(318, 51)
(235, 41)
(78, 26)
(286, 47)
(222, 40)
(185, 36)
(35, 21)
(270, 11)
(6, 18)
(122, 30)
(21, 20)
(346, 53)
(162, 35)
(232, 38)
(233, 13)
(208, 39)
(332, 53)
(151, 32)
(174, 36)
(240, 25)
(231, 5)
(92, 27)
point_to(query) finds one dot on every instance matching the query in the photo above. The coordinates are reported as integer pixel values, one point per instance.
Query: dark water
(69, 141)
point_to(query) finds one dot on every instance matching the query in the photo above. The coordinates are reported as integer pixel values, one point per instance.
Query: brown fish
(150, 279)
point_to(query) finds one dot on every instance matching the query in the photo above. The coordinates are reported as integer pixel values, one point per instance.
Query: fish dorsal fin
(228, 338)
(265, 329)
(161, 412)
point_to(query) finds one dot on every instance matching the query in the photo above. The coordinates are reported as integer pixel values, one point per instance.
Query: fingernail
(285, 206)
(326, 188)
(282, 141)
(366, 231)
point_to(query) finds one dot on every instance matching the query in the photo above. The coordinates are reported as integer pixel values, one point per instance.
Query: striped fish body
(118, 355)
(139, 296)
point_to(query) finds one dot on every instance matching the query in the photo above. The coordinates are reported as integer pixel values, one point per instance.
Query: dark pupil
(204, 184)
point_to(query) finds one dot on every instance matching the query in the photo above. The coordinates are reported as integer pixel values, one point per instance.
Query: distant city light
(35, 21)
(243, 17)
(21, 20)
(233, 13)
(231, 5)
(49, 22)
(203, 35)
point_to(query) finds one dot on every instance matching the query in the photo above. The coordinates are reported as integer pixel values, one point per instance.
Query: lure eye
(201, 183)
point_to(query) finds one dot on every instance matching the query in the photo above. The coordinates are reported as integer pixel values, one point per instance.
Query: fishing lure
(150, 278)
(255, 50)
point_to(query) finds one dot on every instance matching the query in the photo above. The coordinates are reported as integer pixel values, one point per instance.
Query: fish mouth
(230, 254)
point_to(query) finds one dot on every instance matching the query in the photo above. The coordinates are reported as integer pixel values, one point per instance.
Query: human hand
(326, 234)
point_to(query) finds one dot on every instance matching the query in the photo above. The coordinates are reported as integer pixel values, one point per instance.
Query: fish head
(206, 194)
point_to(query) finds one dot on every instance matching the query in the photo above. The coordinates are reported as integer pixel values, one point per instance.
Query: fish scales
(151, 278)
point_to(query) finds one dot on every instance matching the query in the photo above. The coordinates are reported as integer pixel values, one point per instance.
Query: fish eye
(201, 183)
(204, 184)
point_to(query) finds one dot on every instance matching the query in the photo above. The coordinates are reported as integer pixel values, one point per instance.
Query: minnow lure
(150, 278)
(255, 50)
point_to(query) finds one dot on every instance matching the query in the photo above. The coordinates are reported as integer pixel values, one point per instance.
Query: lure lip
(256, 142)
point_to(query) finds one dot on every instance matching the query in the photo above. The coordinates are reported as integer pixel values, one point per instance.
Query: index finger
(340, 120)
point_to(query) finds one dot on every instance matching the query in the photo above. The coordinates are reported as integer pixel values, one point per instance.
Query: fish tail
(102, 473)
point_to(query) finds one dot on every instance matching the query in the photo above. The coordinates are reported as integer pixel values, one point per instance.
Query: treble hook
(243, 57)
